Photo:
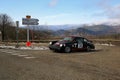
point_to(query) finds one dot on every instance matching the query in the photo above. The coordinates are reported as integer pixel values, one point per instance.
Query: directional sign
(31, 21)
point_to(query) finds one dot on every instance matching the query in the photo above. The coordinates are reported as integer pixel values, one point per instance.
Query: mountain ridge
(101, 29)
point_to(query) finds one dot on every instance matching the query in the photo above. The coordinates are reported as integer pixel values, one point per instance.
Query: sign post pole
(29, 21)
(17, 26)
(28, 33)
(28, 41)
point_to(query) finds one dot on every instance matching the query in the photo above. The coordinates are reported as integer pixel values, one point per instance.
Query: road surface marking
(15, 54)
(29, 57)
(21, 55)
(9, 52)
(6, 52)
(18, 54)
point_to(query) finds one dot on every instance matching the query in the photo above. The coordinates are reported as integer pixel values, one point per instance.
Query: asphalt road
(101, 64)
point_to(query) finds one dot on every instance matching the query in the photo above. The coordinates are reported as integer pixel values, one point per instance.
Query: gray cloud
(111, 11)
(107, 13)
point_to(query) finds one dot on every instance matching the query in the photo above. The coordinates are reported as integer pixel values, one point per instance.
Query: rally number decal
(80, 45)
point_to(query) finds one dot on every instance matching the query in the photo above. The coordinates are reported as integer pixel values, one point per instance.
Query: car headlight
(50, 43)
(61, 45)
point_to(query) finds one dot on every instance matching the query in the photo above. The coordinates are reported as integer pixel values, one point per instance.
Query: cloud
(111, 12)
(53, 3)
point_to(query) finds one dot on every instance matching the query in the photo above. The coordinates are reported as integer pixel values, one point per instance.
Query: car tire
(67, 49)
(88, 48)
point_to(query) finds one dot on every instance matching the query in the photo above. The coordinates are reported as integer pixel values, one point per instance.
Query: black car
(71, 43)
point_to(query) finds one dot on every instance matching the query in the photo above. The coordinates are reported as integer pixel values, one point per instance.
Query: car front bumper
(56, 48)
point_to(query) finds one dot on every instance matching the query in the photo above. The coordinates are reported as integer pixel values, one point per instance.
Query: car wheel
(88, 48)
(67, 49)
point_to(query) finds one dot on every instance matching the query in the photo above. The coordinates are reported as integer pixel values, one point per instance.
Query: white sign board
(31, 21)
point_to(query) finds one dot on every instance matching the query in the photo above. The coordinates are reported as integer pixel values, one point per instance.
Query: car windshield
(68, 39)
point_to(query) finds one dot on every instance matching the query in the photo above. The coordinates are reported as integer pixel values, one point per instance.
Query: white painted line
(22, 55)
(10, 52)
(3, 51)
(15, 54)
(6, 52)
(29, 57)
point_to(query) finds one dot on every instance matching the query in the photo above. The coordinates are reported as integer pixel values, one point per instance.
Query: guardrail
(115, 42)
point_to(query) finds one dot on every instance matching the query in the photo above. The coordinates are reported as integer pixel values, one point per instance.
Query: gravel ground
(100, 64)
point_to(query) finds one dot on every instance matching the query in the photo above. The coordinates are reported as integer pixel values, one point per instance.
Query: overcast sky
(53, 12)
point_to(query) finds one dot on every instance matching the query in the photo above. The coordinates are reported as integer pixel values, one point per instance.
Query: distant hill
(101, 29)
(60, 30)
(91, 30)
(54, 27)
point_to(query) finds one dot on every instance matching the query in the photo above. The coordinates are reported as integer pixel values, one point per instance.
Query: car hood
(62, 42)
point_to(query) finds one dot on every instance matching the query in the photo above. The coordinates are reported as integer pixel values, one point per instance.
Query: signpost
(17, 26)
(29, 21)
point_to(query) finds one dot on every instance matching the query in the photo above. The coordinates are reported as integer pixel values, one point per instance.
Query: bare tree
(5, 21)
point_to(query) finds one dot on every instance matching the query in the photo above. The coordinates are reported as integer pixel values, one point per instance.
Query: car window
(79, 40)
(68, 39)
(85, 40)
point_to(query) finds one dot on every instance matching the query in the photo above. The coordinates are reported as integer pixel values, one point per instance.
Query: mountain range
(101, 29)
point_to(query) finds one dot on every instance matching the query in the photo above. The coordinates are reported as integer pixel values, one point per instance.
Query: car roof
(75, 36)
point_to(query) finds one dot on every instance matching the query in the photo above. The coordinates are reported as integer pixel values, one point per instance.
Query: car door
(78, 44)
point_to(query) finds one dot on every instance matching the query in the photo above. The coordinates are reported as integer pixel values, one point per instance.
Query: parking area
(100, 64)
